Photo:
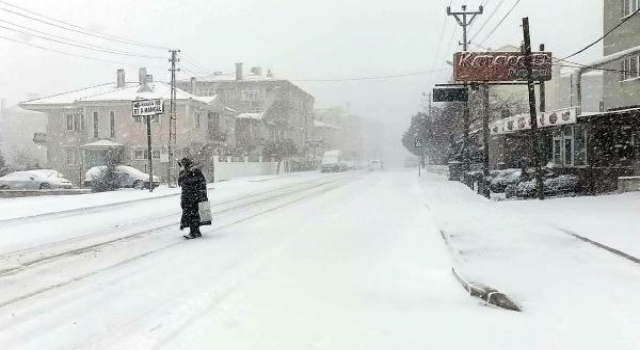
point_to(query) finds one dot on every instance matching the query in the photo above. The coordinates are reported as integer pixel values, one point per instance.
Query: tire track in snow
(319, 189)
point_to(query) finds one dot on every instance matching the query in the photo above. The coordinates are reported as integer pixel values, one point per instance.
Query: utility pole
(464, 19)
(171, 148)
(485, 139)
(150, 152)
(532, 108)
(543, 108)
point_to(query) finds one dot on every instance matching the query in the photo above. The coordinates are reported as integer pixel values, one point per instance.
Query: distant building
(19, 132)
(269, 108)
(84, 125)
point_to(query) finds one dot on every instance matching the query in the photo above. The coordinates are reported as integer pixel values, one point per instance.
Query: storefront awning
(522, 122)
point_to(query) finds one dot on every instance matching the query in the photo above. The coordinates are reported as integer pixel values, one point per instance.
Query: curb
(489, 295)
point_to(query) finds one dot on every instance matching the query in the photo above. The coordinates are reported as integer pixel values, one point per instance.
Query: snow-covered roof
(321, 124)
(110, 92)
(252, 116)
(232, 77)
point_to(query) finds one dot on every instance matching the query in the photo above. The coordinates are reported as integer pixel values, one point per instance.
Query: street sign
(501, 66)
(450, 94)
(417, 143)
(147, 107)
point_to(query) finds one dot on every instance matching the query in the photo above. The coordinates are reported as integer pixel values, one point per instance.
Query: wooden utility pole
(543, 108)
(150, 152)
(465, 18)
(485, 139)
(171, 148)
(532, 109)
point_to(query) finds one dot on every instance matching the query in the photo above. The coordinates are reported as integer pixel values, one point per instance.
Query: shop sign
(501, 66)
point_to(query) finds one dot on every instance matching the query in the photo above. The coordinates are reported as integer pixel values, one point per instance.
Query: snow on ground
(587, 296)
(608, 219)
(314, 261)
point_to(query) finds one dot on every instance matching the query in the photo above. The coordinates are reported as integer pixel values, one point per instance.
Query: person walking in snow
(194, 191)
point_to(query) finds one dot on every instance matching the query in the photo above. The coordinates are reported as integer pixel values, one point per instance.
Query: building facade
(85, 125)
(269, 108)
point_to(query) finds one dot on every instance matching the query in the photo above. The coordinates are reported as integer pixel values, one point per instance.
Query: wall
(17, 127)
(619, 94)
(230, 170)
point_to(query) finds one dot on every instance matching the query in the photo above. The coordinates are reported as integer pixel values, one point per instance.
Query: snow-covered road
(314, 261)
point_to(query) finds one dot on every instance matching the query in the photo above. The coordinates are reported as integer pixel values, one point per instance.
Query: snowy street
(340, 261)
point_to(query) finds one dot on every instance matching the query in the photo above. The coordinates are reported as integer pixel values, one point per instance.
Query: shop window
(70, 156)
(580, 145)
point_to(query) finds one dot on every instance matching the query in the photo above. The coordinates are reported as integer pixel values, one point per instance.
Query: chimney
(256, 71)
(149, 78)
(120, 78)
(142, 76)
(238, 71)
(193, 85)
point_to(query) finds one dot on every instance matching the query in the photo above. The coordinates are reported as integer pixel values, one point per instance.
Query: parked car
(333, 161)
(127, 177)
(41, 179)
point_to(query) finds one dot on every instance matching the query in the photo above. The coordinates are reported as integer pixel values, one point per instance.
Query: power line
(488, 19)
(70, 27)
(501, 21)
(72, 43)
(71, 54)
(604, 36)
(437, 55)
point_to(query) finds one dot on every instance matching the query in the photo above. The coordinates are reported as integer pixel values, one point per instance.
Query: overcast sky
(297, 39)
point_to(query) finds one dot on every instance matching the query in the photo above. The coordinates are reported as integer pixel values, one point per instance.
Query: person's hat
(186, 161)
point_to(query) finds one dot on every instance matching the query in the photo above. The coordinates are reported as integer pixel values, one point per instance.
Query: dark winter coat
(194, 191)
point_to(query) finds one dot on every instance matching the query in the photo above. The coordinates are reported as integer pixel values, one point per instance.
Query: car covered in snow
(375, 164)
(126, 177)
(333, 161)
(41, 179)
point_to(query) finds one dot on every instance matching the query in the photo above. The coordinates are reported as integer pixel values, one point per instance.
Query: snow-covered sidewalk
(523, 249)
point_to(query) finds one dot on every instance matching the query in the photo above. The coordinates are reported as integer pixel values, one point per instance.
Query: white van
(332, 161)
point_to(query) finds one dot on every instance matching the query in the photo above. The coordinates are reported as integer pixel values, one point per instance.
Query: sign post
(418, 145)
(148, 109)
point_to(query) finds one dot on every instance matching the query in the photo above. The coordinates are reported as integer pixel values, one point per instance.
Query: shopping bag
(204, 210)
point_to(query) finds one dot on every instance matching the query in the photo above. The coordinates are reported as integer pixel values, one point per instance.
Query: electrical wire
(604, 36)
(495, 10)
(437, 55)
(501, 21)
(71, 27)
(71, 43)
(71, 54)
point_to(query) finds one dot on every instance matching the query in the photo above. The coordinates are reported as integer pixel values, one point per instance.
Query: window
(142, 153)
(69, 118)
(74, 122)
(70, 156)
(629, 7)
(95, 125)
(112, 124)
(570, 146)
(252, 94)
(580, 145)
(198, 122)
(630, 68)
